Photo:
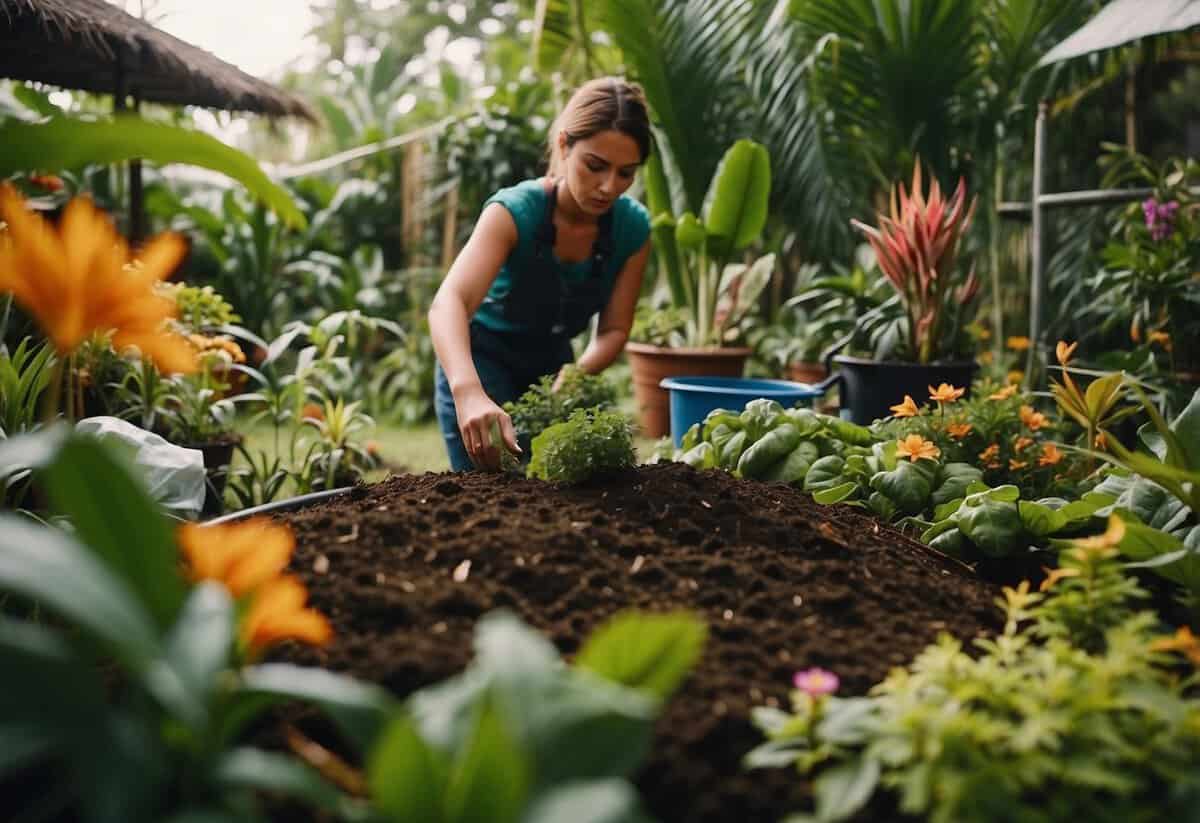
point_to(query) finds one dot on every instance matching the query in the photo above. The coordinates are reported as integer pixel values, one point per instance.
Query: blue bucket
(692, 398)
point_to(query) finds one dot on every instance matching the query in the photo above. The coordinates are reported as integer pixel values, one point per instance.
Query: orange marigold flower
(915, 447)
(1004, 393)
(1022, 443)
(1018, 343)
(1161, 338)
(1033, 420)
(1054, 576)
(1015, 376)
(1016, 465)
(1051, 456)
(959, 430)
(240, 556)
(1182, 641)
(1064, 351)
(278, 613)
(945, 393)
(74, 279)
(906, 409)
(990, 453)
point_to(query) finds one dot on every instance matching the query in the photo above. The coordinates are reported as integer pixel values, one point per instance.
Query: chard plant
(1080, 709)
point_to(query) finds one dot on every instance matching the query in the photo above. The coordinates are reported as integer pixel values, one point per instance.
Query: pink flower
(815, 682)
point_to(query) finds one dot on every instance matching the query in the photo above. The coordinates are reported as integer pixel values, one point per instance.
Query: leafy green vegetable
(541, 406)
(587, 443)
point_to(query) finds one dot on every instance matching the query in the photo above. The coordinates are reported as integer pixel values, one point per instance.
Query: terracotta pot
(651, 365)
(804, 372)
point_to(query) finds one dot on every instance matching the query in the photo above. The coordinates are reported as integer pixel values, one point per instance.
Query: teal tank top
(527, 202)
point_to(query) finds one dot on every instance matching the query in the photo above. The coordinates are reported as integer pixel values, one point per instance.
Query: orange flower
(312, 411)
(945, 393)
(959, 430)
(240, 556)
(77, 278)
(1018, 343)
(372, 447)
(1004, 393)
(990, 453)
(1161, 338)
(1034, 420)
(985, 357)
(985, 334)
(915, 447)
(1101, 442)
(1022, 443)
(1110, 539)
(1015, 376)
(1051, 456)
(1054, 576)
(1016, 465)
(49, 182)
(1064, 351)
(278, 613)
(906, 409)
(1182, 641)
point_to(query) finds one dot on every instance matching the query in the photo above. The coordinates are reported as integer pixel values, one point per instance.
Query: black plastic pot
(868, 388)
(291, 504)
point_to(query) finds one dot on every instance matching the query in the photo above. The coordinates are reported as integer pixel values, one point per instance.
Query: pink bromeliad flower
(816, 682)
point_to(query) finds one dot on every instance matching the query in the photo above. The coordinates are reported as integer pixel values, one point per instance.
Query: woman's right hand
(476, 414)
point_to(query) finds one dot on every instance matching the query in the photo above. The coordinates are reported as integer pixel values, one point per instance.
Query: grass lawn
(411, 449)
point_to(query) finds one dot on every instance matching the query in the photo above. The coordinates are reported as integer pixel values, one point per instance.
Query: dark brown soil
(783, 582)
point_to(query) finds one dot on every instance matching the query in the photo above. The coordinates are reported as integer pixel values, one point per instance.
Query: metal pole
(1036, 275)
(137, 216)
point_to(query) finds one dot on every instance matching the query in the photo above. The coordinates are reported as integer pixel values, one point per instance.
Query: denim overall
(551, 308)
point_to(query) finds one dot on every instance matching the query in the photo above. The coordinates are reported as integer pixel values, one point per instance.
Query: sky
(257, 36)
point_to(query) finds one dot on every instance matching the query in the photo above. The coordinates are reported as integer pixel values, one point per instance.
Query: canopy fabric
(1123, 21)
(95, 46)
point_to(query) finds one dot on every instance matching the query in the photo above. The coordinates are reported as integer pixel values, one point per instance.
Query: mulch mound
(784, 584)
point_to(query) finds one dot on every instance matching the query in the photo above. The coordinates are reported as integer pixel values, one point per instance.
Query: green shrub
(543, 406)
(588, 442)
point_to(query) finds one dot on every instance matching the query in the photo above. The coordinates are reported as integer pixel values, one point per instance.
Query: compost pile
(404, 568)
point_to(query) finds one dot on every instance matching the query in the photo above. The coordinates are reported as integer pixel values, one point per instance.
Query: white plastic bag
(173, 475)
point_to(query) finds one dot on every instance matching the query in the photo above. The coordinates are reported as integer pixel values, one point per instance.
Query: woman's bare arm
(458, 297)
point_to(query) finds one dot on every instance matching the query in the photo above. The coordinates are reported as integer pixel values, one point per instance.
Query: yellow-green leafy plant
(1079, 709)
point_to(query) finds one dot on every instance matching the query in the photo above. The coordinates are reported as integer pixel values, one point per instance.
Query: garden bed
(404, 568)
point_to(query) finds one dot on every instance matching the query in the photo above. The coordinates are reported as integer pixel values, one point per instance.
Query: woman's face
(600, 168)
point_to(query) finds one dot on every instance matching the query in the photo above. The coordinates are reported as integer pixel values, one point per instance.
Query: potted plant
(194, 412)
(918, 338)
(711, 287)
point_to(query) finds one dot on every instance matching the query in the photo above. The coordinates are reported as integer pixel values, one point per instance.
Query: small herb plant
(588, 443)
(543, 405)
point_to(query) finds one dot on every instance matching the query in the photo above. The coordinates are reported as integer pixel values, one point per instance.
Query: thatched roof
(93, 45)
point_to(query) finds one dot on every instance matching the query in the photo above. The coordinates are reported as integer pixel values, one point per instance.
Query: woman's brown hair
(599, 105)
